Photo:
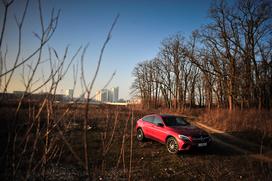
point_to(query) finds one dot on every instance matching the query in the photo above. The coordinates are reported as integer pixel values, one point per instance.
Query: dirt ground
(112, 156)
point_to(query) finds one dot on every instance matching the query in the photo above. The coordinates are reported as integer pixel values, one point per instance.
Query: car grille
(201, 139)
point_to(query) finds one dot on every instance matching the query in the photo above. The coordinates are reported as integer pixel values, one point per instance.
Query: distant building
(98, 96)
(115, 93)
(106, 95)
(110, 96)
(18, 93)
(69, 93)
(102, 95)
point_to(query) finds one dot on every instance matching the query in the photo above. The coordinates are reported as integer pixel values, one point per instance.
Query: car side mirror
(160, 124)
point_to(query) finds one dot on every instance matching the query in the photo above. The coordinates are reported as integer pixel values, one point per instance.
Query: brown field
(113, 157)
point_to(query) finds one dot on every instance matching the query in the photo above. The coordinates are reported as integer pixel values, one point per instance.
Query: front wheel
(140, 135)
(172, 145)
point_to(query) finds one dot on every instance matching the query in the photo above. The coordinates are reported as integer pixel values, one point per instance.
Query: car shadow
(223, 145)
(215, 148)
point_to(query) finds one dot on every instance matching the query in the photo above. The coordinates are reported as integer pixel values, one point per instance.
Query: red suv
(172, 130)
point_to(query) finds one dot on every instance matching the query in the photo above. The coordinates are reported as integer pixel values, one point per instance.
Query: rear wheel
(172, 145)
(140, 135)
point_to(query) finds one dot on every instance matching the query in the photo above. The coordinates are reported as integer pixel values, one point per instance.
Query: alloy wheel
(172, 145)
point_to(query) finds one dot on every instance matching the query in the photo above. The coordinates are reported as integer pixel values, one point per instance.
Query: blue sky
(140, 29)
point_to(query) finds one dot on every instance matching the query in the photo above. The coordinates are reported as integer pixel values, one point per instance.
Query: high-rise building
(106, 95)
(98, 96)
(102, 95)
(110, 96)
(69, 93)
(115, 93)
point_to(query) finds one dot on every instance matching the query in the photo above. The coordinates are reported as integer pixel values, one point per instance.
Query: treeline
(225, 64)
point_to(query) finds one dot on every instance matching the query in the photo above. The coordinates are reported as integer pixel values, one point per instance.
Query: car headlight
(184, 138)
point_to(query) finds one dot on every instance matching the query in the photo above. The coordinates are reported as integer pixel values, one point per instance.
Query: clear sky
(140, 29)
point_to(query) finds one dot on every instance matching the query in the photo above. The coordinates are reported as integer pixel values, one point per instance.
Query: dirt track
(243, 146)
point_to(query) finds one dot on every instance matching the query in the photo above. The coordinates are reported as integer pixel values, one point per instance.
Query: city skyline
(108, 95)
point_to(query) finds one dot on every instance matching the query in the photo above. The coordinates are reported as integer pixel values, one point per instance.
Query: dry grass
(239, 120)
(253, 125)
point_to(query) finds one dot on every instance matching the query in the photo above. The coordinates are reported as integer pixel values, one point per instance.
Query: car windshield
(175, 121)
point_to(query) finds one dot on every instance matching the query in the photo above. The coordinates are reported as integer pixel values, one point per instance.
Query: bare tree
(88, 89)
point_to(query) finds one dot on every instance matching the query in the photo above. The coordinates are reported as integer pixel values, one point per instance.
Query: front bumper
(195, 142)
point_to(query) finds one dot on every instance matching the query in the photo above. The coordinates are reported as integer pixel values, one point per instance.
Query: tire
(172, 145)
(140, 135)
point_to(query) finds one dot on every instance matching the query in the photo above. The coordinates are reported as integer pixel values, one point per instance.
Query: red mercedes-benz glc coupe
(172, 130)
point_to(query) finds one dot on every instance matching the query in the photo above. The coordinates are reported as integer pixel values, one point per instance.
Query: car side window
(148, 119)
(157, 120)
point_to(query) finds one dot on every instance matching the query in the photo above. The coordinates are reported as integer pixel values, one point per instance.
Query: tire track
(232, 146)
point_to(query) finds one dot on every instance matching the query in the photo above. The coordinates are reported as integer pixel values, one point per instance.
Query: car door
(158, 132)
(148, 123)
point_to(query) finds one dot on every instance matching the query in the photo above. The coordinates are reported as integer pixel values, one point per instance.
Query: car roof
(163, 115)
(171, 115)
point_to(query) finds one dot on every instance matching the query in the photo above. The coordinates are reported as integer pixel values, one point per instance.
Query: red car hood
(189, 130)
